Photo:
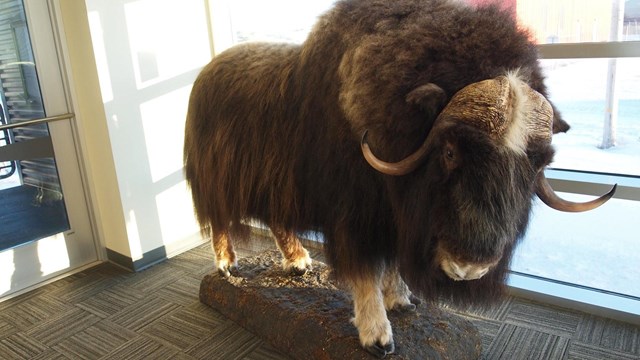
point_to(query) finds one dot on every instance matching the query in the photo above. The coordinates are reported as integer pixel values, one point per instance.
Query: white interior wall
(131, 81)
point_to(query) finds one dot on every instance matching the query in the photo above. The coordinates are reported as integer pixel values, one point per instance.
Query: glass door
(44, 224)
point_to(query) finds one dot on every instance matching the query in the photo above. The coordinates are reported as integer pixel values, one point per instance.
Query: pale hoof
(299, 266)
(228, 270)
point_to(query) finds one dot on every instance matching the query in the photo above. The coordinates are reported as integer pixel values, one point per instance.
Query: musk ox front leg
(225, 255)
(370, 317)
(295, 258)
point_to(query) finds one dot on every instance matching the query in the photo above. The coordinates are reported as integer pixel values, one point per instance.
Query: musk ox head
(467, 191)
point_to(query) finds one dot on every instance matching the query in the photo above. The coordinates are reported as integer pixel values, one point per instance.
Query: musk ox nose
(459, 271)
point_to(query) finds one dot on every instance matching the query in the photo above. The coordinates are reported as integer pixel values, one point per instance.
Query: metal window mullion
(616, 49)
(567, 180)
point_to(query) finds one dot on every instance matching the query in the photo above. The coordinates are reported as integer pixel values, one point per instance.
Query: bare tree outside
(609, 135)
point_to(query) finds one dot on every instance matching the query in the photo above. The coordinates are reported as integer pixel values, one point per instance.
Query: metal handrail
(5, 137)
(37, 121)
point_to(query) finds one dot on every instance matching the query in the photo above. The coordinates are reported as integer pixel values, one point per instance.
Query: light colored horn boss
(506, 109)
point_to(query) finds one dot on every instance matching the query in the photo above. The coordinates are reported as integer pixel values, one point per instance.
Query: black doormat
(28, 214)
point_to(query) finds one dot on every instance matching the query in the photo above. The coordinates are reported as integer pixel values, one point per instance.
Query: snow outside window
(593, 77)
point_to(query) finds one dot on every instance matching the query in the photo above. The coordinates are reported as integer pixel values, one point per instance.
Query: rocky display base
(307, 317)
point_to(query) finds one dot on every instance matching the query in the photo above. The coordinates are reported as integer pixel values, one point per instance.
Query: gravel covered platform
(307, 317)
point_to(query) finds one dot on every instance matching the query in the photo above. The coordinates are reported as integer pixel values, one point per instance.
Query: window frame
(592, 300)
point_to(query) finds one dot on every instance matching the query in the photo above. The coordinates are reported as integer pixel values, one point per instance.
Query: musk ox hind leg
(370, 316)
(295, 258)
(396, 293)
(226, 261)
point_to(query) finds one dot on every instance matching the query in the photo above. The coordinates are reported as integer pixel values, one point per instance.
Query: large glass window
(579, 21)
(592, 69)
(604, 116)
(276, 20)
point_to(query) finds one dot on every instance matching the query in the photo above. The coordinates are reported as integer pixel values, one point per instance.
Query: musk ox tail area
(235, 160)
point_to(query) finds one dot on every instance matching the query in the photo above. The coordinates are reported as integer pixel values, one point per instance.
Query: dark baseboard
(160, 254)
(149, 258)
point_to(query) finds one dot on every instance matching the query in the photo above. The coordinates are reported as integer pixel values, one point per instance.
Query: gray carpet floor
(108, 313)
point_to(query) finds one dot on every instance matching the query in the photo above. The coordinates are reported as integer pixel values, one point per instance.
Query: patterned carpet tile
(181, 291)
(515, 343)
(184, 328)
(33, 311)
(142, 348)
(110, 301)
(229, 341)
(197, 262)
(609, 334)
(61, 327)
(496, 312)
(143, 313)
(154, 278)
(173, 334)
(10, 303)
(580, 351)
(21, 346)
(543, 318)
(50, 355)
(202, 316)
(6, 328)
(83, 288)
(95, 341)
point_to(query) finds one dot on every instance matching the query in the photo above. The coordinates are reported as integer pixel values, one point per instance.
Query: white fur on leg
(225, 259)
(370, 314)
(295, 258)
(395, 292)
(300, 263)
(225, 266)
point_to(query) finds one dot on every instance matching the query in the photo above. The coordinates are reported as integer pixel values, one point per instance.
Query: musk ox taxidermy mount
(413, 134)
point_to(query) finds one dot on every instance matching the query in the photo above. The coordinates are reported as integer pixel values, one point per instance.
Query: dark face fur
(485, 194)
(466, 207)
(468, 202)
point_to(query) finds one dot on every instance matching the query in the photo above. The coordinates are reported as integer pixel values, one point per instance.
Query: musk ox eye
(450, 156)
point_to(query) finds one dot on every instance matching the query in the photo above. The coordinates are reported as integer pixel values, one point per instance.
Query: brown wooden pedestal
(307, 317)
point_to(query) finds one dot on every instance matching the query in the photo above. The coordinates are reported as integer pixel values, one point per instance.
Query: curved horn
(549, 197)
(399, 168)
